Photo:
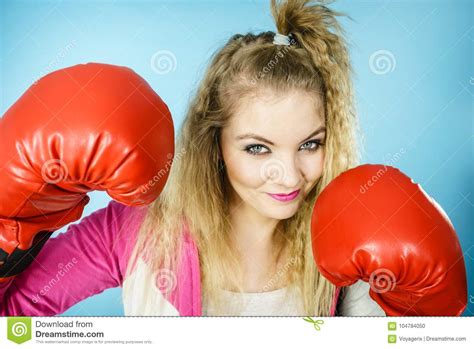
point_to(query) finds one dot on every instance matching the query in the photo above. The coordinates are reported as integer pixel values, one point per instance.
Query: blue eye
(257, 149)
(253, 149)
(316, 146)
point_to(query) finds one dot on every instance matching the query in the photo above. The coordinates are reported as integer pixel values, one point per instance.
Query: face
(271, 146)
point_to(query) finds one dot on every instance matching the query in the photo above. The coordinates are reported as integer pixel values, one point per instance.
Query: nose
(284, 171)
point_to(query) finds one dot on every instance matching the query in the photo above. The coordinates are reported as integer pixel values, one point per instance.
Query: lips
(285, 197)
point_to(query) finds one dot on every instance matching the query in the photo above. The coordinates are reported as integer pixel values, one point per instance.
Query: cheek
(313, 167)
(242, 170)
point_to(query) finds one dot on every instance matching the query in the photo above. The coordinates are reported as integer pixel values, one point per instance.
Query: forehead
(277, 115)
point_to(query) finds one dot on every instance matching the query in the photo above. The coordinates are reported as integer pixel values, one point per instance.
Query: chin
(281, 213)
(282, 217)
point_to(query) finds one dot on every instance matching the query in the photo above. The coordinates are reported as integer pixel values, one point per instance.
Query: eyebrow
(260, 138)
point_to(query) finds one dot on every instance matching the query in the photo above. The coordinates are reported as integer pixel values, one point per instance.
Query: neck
(259, 247)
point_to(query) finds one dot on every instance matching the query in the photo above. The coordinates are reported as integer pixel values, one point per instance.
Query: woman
(295, 93)
(271, 125)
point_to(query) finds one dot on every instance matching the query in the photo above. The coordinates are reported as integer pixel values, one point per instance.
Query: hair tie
(280, 39)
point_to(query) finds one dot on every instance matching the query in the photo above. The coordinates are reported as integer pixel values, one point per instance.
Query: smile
(285, 197)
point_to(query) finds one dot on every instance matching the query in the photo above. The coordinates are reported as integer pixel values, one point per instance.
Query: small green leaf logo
(315, 323)
(19, 329)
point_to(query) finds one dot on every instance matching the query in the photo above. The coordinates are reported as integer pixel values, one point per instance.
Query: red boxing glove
(83, 128)
(374, 223)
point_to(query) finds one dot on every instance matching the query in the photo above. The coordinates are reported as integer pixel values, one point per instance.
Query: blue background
(416, 111)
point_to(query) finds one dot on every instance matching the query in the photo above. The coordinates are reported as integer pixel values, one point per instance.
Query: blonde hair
(197, 188)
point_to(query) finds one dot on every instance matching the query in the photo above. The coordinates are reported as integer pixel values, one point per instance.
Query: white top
(271, 303)
(149, 301)
(354, 302)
